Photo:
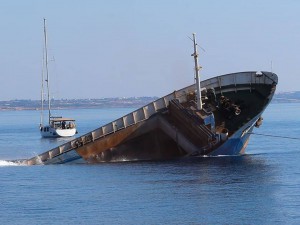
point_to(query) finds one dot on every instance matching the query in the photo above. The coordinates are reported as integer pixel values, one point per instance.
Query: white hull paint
(50, 132)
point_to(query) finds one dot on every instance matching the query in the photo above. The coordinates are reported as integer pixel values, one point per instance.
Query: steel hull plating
(236, 144)
(160, 131)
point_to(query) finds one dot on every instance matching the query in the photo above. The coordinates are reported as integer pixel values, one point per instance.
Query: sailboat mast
(47, 73)
(197, 68)
(42, 91)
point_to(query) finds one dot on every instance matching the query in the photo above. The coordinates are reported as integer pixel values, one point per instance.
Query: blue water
(262, 187)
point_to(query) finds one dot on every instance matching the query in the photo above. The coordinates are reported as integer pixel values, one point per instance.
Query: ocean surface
(261, 187)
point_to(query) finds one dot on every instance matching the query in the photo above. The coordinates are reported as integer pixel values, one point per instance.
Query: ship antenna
(197, 68)
(271, 66)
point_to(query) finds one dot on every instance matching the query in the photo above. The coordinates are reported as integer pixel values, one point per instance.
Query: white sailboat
(57, 126)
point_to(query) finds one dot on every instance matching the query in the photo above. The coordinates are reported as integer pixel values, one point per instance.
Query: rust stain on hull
(143, 141)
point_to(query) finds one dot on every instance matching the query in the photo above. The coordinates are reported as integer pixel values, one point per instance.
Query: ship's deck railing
(143, 113)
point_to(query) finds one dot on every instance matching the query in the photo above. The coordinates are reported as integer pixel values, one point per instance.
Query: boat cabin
(62, 123)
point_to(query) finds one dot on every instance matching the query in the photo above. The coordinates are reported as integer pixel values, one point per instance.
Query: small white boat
(57, 126)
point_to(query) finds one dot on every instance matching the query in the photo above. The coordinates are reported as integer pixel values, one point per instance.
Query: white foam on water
(10, 163)
(217, 156)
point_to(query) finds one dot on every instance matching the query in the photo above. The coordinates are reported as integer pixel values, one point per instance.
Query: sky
(134, 48)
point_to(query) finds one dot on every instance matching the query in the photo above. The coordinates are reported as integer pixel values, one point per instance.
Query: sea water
(261, 187)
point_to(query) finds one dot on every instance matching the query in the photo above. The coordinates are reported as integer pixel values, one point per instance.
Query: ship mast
(47, 73)
(197, 68)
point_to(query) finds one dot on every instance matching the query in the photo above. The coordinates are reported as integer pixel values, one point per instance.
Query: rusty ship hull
(172, 126)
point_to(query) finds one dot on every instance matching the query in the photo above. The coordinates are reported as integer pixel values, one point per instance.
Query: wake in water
(10, 163)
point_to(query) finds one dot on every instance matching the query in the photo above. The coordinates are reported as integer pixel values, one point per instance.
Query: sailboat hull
(50, 132)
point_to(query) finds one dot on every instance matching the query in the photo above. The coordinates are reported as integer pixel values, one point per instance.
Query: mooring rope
(276, 136)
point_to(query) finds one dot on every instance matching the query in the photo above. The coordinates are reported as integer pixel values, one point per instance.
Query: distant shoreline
(62, 104)
(133, 102)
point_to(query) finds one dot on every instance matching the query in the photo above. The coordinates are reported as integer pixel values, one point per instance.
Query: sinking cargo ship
(209, 118)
